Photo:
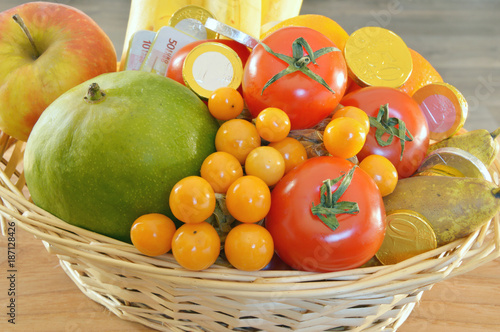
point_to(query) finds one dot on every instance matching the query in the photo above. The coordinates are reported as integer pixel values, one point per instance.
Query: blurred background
(460, 38)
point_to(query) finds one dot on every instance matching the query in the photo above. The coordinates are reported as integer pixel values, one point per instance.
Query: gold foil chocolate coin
(441, 170)
(444, 108)
(408, 234)
(377, 57)
(210, 66)
(451, 161)
(191, 13)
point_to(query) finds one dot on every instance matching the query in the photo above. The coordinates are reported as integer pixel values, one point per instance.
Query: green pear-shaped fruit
(479, 143)
(100, 157)
(454, 206)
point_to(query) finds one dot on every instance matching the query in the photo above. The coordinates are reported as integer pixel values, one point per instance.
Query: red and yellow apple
(59, 48)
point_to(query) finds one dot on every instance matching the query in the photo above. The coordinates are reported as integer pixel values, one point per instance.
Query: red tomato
(401, 106)
(174, 69)
(305, 100)
(302, 240)
(352, 86)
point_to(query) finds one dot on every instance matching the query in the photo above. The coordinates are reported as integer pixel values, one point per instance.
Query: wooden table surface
(48, 301)
(459, 37)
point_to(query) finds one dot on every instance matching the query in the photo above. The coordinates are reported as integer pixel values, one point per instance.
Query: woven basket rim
(420, 271)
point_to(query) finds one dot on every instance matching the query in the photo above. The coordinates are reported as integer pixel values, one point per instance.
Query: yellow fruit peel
(245, 15)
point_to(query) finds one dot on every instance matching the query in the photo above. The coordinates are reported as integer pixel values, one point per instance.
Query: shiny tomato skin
(174, 69)
(403, 107)
(302, 240)
(306, 101)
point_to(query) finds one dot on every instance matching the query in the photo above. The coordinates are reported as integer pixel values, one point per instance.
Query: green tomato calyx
(94, 94)
(330, 206)
(387, 125)
(300, 61)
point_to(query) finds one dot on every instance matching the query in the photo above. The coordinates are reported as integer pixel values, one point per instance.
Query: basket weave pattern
(158, 293)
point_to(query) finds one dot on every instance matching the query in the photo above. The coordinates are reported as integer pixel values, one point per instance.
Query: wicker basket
(158, 293)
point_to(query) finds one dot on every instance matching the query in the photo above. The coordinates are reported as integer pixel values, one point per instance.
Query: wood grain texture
(459, 37)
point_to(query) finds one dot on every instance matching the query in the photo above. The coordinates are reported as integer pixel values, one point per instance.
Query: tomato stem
(304, 61)
(392, 126)
(300, 62)
(329, 206)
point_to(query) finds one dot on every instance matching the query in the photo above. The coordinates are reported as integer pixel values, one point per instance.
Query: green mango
(100, 157)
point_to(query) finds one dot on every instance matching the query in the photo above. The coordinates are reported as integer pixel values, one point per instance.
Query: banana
(279, 10)
(454, 207)
(241, 15)
(479, 143)
(245, 15)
